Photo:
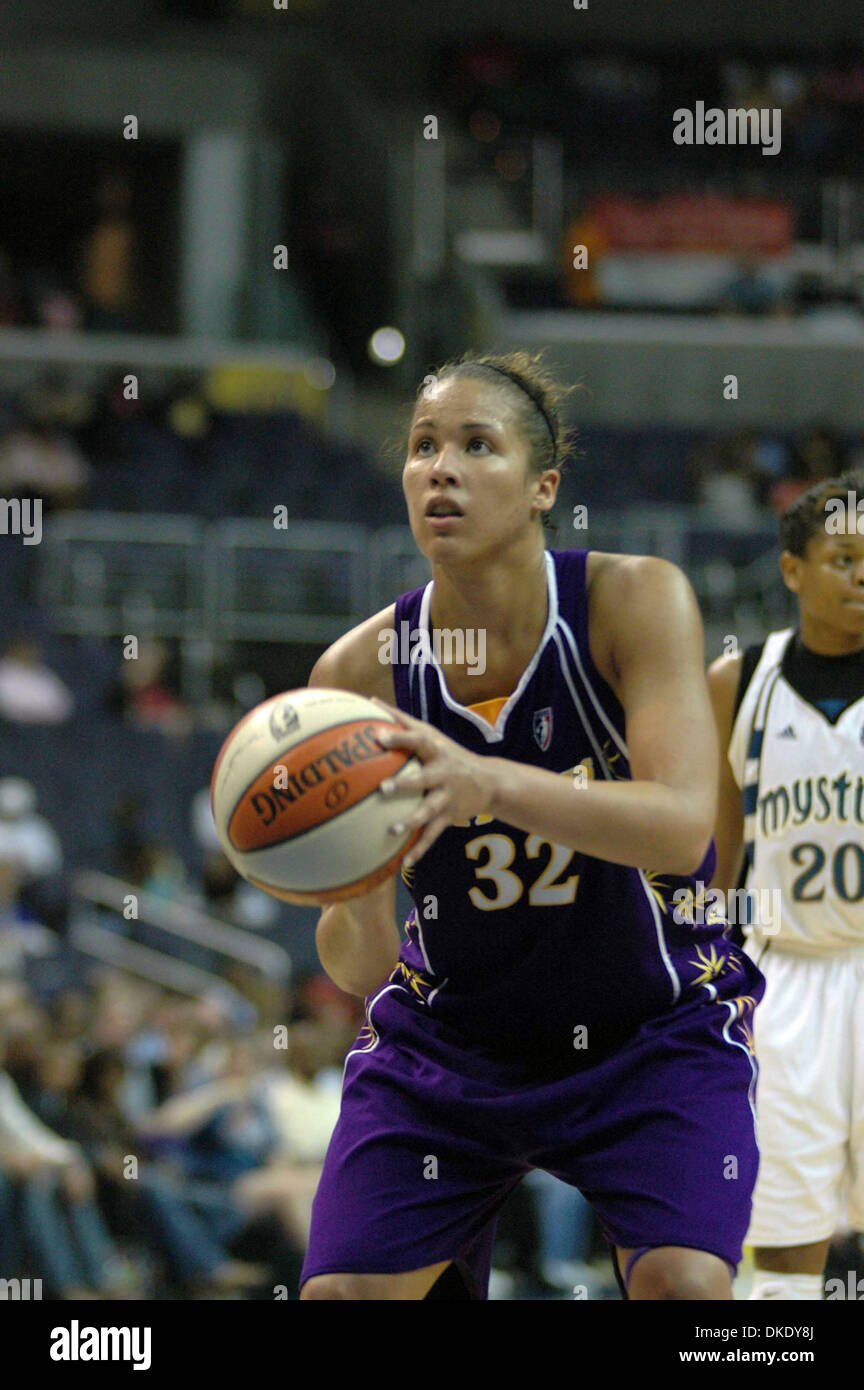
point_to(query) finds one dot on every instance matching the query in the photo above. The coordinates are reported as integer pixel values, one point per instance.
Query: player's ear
(790, 568)
(546, 489)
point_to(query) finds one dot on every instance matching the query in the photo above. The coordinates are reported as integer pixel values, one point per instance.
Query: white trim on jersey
(361, 1051)
(574, 647)
(493, 733)
(422, 944)
(754, 1072)
(772, 655)
(580, 708)
(661, 938)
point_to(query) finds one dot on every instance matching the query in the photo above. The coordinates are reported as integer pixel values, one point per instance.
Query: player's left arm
(649, 647)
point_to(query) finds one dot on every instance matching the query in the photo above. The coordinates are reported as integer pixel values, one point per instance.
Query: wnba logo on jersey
(542, 728)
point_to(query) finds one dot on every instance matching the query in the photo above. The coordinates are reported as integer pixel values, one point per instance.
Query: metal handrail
(91, 939)
(184, 920)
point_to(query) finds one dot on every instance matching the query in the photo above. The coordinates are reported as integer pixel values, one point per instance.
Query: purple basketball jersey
(547, 1012)
(515, 942)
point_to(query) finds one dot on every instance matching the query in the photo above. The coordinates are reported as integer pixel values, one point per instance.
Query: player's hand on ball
(456, 784)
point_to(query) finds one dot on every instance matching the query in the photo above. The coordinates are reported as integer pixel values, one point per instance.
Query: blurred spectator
(260, 1125)
(230, 898)
(143, 695)
(161, 871)
(819, 453)
(142, 1196)
(724, 478)
(39, 461)
(26, 839)
(30, 692)
(582, 287)
(20, 937)
(108, 258)
(60, 1222)
(223, 891)
(59, 310)
(751, 290)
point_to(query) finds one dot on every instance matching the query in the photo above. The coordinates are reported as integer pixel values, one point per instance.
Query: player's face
(829, 581)
(467, 479)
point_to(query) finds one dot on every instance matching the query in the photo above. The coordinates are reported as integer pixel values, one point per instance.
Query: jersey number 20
(814, 866)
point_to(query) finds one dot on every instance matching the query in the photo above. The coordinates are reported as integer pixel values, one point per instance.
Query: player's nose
(445, 465)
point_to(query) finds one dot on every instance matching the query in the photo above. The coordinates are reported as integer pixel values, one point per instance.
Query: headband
(523, 386)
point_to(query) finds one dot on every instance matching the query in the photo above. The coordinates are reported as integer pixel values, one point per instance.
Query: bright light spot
(320, 373)
(386, 346)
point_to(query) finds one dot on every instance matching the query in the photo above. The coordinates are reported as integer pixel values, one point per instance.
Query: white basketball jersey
(802, 782)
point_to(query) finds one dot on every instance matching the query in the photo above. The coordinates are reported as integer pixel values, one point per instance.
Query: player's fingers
(426, 841)
(398, 738)
(418, 741)
(431, 806)
(432, 772)
(410, 783)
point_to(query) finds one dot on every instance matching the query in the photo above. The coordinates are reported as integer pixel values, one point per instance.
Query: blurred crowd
(612, 105)
(158, 1144)
(151, 1149)
(738, 477)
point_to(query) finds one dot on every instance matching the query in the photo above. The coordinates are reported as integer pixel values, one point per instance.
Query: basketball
(295, 797)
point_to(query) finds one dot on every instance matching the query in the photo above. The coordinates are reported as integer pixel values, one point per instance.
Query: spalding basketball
(296, 800)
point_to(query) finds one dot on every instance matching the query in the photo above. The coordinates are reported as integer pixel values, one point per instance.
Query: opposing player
(545, 1009)
(791, 713)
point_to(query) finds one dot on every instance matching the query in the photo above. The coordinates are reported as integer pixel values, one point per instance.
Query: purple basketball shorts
(432, 1137)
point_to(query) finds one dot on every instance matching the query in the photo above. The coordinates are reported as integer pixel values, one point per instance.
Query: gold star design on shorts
(413, 978)
(655, 883)
(367, 1032)
(712, 966)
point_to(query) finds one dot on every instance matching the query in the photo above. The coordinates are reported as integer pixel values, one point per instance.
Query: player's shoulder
(724, 681)
(724, 673)
(354, 662)
(730, 677)
(628, 576)
(637, 593)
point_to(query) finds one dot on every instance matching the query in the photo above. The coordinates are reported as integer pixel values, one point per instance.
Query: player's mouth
(441, 513)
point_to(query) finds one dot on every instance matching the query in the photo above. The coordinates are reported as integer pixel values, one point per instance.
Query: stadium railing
(243, 580)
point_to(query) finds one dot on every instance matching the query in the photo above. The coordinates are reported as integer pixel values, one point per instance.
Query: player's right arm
(724, 675)
(358, 941)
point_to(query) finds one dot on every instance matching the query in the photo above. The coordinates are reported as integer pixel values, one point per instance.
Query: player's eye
(418, 447)
(477, 440)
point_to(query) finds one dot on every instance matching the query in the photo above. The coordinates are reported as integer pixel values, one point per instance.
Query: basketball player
(791, 713)
(545, 1010)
